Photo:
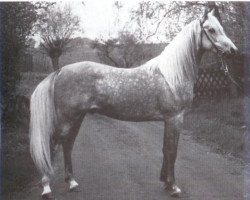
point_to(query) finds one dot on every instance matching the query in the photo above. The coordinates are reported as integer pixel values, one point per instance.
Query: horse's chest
(184, 93)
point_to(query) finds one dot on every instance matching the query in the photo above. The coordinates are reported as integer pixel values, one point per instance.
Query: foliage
(56, 27)
(221, 125)
(124, 51)
(151, 18)
(16, 24)
(105, 49)
(233, 17)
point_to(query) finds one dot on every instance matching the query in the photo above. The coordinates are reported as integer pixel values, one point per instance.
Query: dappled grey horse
(159, 90)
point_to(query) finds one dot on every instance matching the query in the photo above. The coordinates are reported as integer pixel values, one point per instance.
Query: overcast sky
(98, 16)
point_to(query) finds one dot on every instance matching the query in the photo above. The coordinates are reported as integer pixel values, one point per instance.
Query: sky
(98, 16)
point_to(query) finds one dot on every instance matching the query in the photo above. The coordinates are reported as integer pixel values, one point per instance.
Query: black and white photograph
(125, 100)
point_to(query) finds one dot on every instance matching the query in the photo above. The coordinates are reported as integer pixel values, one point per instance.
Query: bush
(220, 125)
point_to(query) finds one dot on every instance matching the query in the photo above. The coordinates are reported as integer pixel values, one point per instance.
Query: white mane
(178, 61)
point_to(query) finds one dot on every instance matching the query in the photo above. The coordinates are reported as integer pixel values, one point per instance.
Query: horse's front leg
(170, 144)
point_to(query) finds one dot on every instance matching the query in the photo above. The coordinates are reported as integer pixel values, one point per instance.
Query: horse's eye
(211, 30)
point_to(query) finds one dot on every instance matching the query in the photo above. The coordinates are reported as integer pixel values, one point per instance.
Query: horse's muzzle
(233, 51)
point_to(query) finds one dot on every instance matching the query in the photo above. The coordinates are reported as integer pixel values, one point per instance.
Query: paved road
(115, 160)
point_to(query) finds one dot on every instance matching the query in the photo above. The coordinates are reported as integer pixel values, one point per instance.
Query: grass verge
(220, 125)
(18, 168)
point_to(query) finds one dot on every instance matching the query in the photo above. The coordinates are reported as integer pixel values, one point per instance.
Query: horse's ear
(215, 12)
(204, 17)
(212, 12)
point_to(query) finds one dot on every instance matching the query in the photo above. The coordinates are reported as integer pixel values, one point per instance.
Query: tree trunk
(55, 62)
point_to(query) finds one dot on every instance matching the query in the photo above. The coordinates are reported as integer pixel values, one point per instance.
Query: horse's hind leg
(47, 194)
(68, 139)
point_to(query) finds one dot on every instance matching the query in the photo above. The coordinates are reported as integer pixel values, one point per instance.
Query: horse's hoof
(75, 189)
(173, 190)
(48, 196)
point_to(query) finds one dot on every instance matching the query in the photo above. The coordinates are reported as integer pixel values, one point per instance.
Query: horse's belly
(131, 114)
(131, 110)
(129, 98)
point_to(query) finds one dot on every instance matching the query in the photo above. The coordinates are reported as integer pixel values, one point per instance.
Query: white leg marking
(176, 189)
(73, 184)
(46, 189)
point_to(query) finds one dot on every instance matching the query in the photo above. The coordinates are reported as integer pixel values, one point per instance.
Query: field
(219, 125)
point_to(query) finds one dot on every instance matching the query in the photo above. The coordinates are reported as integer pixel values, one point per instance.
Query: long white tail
(42, 124)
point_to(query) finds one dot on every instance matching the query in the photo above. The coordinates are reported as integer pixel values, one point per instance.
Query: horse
(159, 90)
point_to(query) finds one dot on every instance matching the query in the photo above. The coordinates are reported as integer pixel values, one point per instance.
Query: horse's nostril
(232, 51)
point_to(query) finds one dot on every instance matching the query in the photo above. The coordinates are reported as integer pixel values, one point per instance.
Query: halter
(218, 51)
(219, 54)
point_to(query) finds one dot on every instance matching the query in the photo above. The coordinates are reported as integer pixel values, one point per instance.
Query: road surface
(116, 160)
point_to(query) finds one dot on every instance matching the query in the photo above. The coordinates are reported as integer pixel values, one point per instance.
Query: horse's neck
(179, 61)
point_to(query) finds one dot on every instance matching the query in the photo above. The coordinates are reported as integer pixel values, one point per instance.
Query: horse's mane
(178, 62)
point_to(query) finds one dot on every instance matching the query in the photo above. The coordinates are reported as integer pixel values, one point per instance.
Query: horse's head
(213, 36)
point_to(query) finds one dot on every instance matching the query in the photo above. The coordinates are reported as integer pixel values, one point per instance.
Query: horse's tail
(42, 124)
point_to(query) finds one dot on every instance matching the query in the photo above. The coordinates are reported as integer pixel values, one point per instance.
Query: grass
(221, 125)
(18, 168)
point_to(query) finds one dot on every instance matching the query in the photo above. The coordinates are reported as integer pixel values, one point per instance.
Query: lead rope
(227, 73)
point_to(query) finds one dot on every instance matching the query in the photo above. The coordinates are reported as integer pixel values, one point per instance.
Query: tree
(16, 23)
(132, 52)
(123, 51)
(17, 20)
(57, 27)
(105, 50)
(162, 18)
(155, 18)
